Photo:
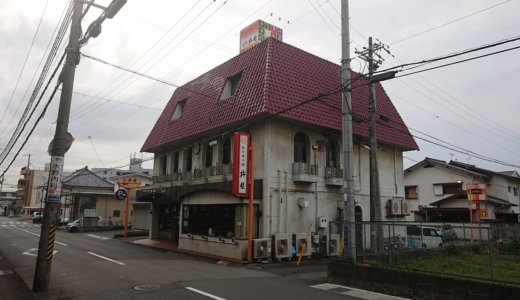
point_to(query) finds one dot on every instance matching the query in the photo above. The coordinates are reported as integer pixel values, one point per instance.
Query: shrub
(452, 250)
(475, 248)
(511, 246)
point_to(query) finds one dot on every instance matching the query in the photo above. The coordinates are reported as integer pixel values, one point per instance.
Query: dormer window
(231, 86)
(178, 110)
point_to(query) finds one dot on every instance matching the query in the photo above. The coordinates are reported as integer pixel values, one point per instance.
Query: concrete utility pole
(375, 194)
(376, 232)
(349, 227)
(62, 139)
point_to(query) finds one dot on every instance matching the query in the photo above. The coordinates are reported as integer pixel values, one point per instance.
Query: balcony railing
(333, 176)
(303, 172)
(332, 172)
(197, 173)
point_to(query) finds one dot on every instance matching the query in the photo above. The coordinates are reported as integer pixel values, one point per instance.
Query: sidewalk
(171, 246)
(12, 286)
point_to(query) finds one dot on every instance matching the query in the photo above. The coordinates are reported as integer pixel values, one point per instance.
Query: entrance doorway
(169, 222)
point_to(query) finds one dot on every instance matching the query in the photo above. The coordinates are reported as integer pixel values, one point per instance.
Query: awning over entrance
(175, 194)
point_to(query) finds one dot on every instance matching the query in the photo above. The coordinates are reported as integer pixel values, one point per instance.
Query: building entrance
(169, 222)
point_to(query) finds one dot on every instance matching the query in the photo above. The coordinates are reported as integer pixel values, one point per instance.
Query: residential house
(82, 190)
(437, 191)
(290, 102)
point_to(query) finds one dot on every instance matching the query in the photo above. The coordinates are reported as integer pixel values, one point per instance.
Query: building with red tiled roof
(290, 102)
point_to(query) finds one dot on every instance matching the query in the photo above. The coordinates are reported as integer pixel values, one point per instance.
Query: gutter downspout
(280, 204)
(286, 202)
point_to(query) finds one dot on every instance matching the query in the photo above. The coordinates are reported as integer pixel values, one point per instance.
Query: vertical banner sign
(241, 143)
(476, 191)
(54, 192)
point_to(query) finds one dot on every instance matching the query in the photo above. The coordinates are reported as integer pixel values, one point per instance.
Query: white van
(423, 237)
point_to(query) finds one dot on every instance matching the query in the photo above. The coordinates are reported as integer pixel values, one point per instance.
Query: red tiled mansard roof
(274, 77)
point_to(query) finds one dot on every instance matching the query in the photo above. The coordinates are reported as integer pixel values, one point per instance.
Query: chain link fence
(485, 251)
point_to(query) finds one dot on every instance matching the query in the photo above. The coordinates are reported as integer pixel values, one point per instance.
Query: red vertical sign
(241, 173)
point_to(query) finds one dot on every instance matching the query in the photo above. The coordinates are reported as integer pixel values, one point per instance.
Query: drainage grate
(147, 287)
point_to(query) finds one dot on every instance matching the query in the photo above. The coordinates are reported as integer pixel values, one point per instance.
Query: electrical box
(323, 222)
(315, 239)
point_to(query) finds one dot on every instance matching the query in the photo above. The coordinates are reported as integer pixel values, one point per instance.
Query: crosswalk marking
(350, 291)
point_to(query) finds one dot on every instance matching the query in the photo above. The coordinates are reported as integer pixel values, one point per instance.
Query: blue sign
(120, 194)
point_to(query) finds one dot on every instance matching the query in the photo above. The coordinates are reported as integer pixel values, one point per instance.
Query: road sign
(120, 194)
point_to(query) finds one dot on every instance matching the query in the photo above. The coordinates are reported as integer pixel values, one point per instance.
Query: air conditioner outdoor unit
(334, 244)
(406, 207)
(261, 248)
(394, 207)
(281, 245)
(302, 243)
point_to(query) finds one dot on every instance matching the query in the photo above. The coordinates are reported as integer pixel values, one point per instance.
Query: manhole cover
(147, 287)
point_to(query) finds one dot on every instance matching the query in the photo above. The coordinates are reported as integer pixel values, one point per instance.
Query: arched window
(226, 151)
(188, 160)
(301, 146)
(332, 153)
(209, 155)
(163, 161)
(176, 162)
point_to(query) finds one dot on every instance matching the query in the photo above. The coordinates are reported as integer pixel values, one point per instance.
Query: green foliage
(475, 248)
(452, 250)
(511, 247)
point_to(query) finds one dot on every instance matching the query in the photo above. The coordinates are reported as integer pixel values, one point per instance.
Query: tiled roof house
(290, 101)
(437, 191)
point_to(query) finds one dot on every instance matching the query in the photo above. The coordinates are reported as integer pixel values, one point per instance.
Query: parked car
(77, 224)
(37, 216)
(448, 233)
(423, 237)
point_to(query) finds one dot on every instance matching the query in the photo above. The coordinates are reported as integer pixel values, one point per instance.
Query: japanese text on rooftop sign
(56, 170)
(476, 191)
(241, 143)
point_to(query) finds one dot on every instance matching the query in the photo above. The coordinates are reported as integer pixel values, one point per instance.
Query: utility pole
(375, 193)
(27, 177)
(62, 139)
(376, 232)
(348, 219)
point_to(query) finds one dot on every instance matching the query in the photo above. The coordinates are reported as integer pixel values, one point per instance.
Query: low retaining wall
(416, 285)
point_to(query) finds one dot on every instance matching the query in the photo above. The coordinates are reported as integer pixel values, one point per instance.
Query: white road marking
(27, 231)
(34, 252)
(98, 237)
(350, 291)
(204, 293)
(106, 258)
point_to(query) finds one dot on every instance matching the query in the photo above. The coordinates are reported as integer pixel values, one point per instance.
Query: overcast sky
(470, 106)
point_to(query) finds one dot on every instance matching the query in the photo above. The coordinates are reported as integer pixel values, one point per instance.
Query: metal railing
(333, 172)
(303, 168)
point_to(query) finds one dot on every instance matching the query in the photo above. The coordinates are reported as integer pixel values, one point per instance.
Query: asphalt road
(95, 266)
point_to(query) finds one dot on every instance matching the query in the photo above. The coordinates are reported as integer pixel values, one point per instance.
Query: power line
(37, 120)
(24, 63)
(50, 59)
(448, 23)
(460, 61)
